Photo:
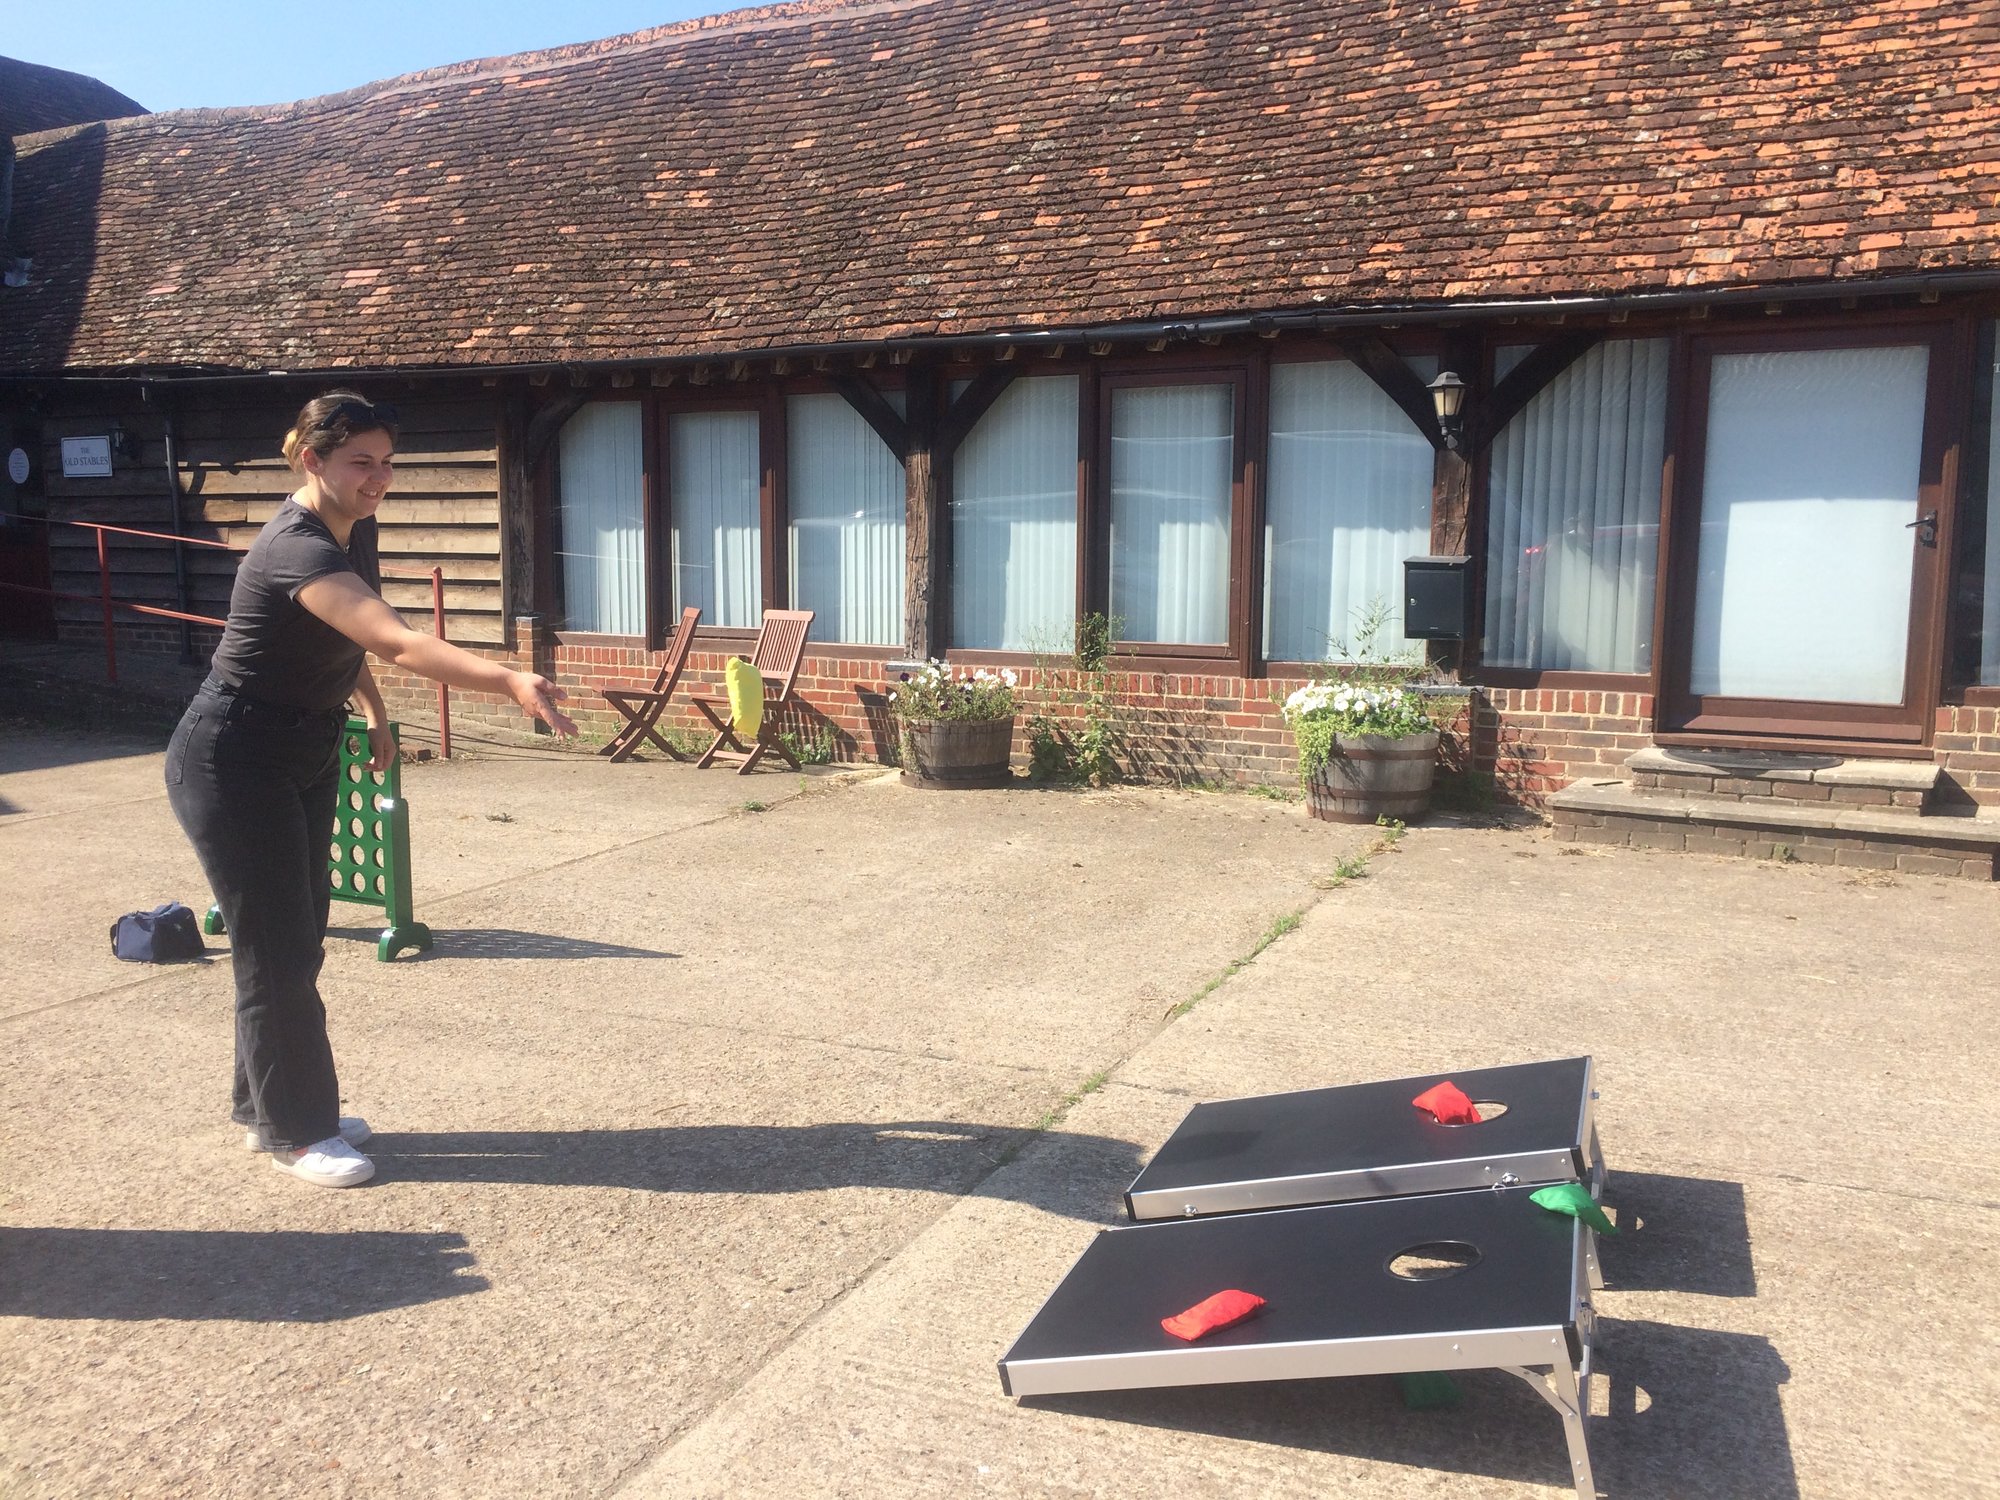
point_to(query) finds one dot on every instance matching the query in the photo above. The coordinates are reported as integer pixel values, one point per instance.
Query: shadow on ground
(1690, 1412)
(196, 1275)
(500, 942)
(1677, 1234)
(926, 1155)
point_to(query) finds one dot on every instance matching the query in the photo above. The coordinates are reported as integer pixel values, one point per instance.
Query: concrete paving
(710, 1159)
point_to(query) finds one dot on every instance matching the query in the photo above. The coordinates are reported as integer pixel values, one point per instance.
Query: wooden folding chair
(781, 646)
(642, 710)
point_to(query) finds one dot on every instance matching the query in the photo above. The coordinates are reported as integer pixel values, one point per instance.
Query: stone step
(1902, 788)
(1766, 827)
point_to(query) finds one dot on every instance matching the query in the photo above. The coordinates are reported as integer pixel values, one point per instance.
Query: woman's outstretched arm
(357, 612)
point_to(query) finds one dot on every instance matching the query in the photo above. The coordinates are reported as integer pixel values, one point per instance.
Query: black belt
(236, 704)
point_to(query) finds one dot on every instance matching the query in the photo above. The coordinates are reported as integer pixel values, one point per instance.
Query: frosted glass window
(600, 519)
(1013, 521)
(1348, 497)
(1989, 640)
(1172, 462)
(846, 499)
(1573, 516)
(714, 474)
(1808, 487)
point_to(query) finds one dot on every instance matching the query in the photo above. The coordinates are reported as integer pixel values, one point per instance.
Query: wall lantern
(1448, 396)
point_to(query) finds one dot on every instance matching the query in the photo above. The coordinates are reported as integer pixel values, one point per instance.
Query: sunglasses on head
(361, 414)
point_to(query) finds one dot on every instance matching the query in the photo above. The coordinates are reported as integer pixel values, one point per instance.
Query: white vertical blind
(1348, 497)
(600, 520)
(1802, 589)
(1573, 516)
(1989, 640)
(846, 494)
(1172, 462)
(1013, 521)
(714, 472)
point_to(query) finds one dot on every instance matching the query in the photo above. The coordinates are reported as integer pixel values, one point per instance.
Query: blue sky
(183, 54)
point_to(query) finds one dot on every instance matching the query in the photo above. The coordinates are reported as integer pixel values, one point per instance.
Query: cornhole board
(1367, 1140)
(1333, 1306)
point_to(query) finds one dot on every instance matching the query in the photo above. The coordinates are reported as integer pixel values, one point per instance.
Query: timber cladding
(443, 512)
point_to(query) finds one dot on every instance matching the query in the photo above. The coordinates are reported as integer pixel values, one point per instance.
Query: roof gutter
(1172, 329)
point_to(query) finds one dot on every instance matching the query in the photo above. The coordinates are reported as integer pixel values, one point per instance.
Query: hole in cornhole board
(1487, 1109)
(1434, 1260)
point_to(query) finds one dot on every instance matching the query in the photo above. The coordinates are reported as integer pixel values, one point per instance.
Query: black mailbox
(1434, 598)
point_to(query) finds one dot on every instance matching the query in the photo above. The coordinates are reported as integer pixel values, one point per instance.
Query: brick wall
(1534, 741)
(1967, 745)
(1177, 726)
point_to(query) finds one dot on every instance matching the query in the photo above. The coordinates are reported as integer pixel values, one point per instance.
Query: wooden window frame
(1094, 551)
(777, 552)
(1889, 730)
(1307, 351)
(763, 398)
(550, 532)
(1475, 672)
(1961, 687)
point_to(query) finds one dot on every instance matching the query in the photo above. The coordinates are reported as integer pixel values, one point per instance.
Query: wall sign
(86, 458)
(17, 466)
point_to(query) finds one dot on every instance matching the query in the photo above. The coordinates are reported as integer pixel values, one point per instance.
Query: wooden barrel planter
(1372, 776)
(958, 754)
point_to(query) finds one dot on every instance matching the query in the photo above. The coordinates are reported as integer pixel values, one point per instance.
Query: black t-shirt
(274, 649)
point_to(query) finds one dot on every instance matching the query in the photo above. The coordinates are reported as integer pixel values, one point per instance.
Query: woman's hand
(381, 747)
(538, 698)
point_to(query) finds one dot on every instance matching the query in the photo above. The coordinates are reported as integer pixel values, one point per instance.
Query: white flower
(1009, 676)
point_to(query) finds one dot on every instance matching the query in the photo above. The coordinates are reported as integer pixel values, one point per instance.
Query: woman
(252, 770)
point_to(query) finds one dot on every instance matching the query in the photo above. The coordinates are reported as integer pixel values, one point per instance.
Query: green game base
(395, 939)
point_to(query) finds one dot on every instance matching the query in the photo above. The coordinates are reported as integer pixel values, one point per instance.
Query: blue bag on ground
(166, 934)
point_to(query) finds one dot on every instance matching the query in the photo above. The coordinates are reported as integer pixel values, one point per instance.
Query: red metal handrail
(104, 597)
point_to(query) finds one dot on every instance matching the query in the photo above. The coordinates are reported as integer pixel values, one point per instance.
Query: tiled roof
(827, 172)
(34, 98)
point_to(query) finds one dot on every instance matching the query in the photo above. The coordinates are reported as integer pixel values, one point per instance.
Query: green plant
(1289, 922)
(934, 694)
(1360, 690)
(1271, 793)
(1352, 868)
(755, 806)
(1075, 736)
(1322, 712)
(813, 746)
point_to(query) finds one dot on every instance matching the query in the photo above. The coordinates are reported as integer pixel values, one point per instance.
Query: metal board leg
(1557, 1385)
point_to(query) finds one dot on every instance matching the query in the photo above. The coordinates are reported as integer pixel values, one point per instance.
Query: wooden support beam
(861, 394)
(1524, 382)
(545, 424)
(517, 509)
(1451, 476)
(923, 631)
(1397, 380)
(972, 403)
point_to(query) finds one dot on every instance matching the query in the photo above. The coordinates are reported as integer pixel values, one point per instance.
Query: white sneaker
(328, 1163)
(353, 1130)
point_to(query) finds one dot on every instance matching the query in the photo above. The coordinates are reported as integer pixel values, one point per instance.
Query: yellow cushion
(746, 696)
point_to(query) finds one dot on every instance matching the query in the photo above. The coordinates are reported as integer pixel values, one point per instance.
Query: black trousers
(254, 787)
